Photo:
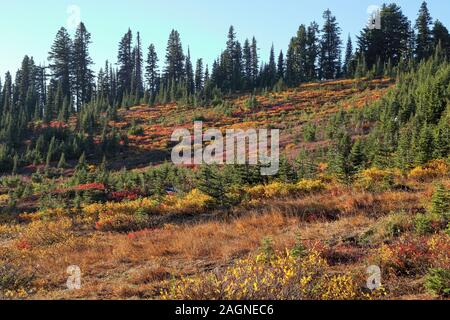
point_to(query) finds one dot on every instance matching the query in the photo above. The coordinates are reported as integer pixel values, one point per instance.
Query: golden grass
(332, 221)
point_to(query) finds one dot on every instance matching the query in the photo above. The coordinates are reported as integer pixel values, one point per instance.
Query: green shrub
(267, 250)
(423, 224)
(13, 278)
(309, 133)
(136, 130)
(437, 282)
(252, 103)
(440, 202)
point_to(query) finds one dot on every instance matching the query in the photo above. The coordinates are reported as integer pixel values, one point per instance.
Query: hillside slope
(132, 236)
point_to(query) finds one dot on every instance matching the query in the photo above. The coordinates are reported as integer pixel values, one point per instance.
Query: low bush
(283, 277)
(427, 223)
(376, 180)
(414, 255)
(437, 282)
(434, 169)
(43, 233)
(14, 281)
(283, 190)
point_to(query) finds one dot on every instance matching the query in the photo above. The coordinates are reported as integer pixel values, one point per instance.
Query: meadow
(141, 228)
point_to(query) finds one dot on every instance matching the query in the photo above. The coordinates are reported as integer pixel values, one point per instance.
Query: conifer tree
(255, 60)
(340, 158)
(357, 156)
(247, 57)
(125, 60)
(137, 82)
(152, 70)
(442, 139)
(440, 202)
(312, 51)
(190, 81)
(62, 161)
(51, 151)
(60, 58)
(330, 47)
(280, 66)
(15, 164)
(440, 35)
(423, 148)
(347, 68)
(212, 183)
(199, 76)
(174, 70)
(424, 40)
(272, 68)
(286, 172)
(81, 61)
(237, 78)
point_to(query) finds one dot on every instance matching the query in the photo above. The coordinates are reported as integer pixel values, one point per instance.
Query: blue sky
(29, 27)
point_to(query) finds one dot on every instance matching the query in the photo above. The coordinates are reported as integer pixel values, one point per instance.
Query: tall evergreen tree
(247, 57)
(190, 80)
(272, 68)
(440, 35)
(199, 76)
(228, 61)
(280, 66)
(330, 47)
(423, 41)
(81, 61)
(137, 81)
(152, 70)
(174, 69)
(255, 60)
(60, 58)
(312, 51)
(347, 68)
(237, 67)
(390, 43)
(125, 60)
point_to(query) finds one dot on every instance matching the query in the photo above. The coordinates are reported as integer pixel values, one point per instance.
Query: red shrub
(119, 196)
(23, 245)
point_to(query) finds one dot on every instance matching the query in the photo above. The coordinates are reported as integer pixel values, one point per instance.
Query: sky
(29, 27)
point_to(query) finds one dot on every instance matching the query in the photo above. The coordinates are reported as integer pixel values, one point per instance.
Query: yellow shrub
(194, 202)
(9, 230)
(283, 277)
(376, 179)
(147, 205)
(282, 190)
(47, 214)
(340, 287)
(121, 222)
(310, 185)
(45, 233)
(278, 189)
(434, 169)
(136, 214)
(256, 192)
(4, 199)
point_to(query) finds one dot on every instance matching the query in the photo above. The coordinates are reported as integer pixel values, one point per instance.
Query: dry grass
(134, 265)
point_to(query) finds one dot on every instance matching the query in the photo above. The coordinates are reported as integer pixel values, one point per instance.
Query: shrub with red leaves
(138, 234)
(119, 196)
(411, 256)
(23, 245)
